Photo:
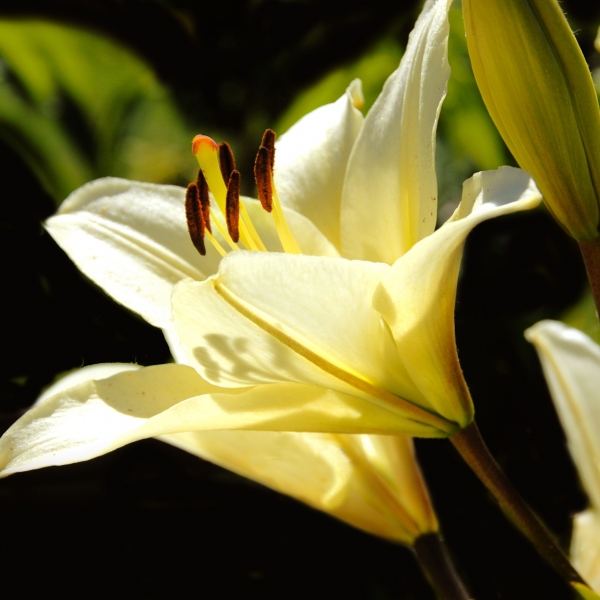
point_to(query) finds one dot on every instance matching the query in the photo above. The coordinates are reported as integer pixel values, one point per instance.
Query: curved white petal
(386, 490)
(389, 200)
(307, 466)
(132, 240)
(571, 363)
(585, 547)
(311, 159)
(417, 296)
(275, 317)
(369, 481)
(100, 371)
(97, 416)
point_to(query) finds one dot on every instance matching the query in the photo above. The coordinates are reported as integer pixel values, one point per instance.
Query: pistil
(207, 154)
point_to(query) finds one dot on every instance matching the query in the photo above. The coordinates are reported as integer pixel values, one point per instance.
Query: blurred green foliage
(372, 69)
(77, 106)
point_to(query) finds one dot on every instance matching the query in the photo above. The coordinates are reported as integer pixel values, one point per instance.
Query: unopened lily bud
(539, 91)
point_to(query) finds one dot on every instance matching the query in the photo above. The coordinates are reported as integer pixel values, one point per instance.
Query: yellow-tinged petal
(417, 296)
(100, 371)
(571, 363)
(539, 91)
(97, 416)
(311, 159)
(389, 199)
(585, 547)
(369, 481)
(268, 317)
(132, 240)
(387, 479)
(307, 466)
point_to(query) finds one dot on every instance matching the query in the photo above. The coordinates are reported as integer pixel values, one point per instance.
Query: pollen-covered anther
(232, 206)
(268, 141)
(195, 220)
(204, 198)
(262, 175)
(226, 160)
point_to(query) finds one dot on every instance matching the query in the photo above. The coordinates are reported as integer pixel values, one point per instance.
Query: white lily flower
(275, 342)
(571, 364)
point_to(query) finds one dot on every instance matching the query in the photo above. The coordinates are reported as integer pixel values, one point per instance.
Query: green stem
(474, 451)
(591, 257)
(438, 567)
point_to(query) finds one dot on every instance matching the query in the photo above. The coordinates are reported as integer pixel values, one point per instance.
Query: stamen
(216, 244)
(207, 154)
(267, 193)
(262, 175)
(204, 198)
(226, 160)
(268, 141)
(232, 206)
(223, 231)
(195, 220)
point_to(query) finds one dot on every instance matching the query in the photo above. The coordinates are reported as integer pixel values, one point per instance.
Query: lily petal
(267, 318)
(585, 547)
(307, 466)
(311, 159)
(571, 363)
(389, 200)
(97, 416)
(417, 296)
(100, 371)
(387, 481)
(131, 239)
(366, 480)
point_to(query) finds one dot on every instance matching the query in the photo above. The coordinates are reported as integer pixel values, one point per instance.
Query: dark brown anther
(204, 198)
(193, 215)
(226, 160)
(262, 175)
(268, 141)
(232, 206)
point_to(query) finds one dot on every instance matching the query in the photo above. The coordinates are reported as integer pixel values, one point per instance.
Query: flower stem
(474, 451)
(438, 567)
(591, 257)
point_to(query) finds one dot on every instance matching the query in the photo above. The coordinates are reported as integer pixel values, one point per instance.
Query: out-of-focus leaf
(78, 106)
(464, 119)
(372, 69)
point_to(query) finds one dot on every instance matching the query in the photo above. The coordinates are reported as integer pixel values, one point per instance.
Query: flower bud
(539, 91)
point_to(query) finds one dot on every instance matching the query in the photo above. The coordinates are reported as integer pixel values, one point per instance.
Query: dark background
(149, 521)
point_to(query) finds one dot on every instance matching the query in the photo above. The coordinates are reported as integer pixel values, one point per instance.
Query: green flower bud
(539, 91)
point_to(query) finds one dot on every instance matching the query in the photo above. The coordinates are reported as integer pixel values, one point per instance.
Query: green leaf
(77, 106)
